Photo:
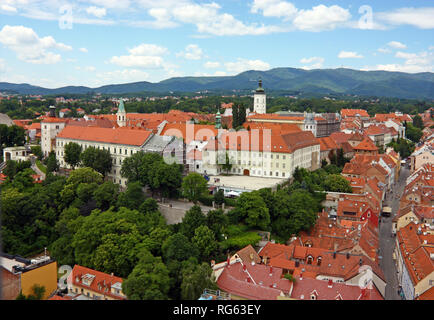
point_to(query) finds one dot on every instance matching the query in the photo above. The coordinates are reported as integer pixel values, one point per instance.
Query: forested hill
(319, 81)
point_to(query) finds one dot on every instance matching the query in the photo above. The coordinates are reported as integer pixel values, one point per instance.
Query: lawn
(41, 166)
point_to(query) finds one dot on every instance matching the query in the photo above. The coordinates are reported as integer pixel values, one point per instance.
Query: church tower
(218, 120)
(121, 115)
(260, 100)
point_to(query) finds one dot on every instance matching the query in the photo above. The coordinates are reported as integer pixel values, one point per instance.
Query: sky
(55, 43)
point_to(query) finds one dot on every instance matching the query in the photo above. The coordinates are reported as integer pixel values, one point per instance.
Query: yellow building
(22, 274)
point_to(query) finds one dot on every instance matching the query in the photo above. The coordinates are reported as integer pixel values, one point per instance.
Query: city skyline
(94, 43)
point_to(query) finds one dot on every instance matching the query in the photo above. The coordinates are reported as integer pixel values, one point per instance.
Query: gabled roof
(354, 113)
(327, 143)
(366, 145)
(253, 282)
(100, 282)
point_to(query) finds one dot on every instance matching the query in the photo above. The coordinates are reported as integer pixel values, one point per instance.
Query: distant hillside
(319, 81)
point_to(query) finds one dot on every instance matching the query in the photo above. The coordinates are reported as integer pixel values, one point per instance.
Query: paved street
(387, 242)
(174, 210)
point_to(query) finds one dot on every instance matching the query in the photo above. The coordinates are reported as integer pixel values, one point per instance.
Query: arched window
(319, 261)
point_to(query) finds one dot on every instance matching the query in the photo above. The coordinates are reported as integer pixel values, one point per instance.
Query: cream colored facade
(49, 132)
(263, 164)
(96, 295)
(118, 153)
(423, 158)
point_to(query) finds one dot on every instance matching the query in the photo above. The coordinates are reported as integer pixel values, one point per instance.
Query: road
(387, 242)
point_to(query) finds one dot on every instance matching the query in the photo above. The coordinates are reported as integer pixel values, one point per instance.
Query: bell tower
(121, 115)
(260, 100)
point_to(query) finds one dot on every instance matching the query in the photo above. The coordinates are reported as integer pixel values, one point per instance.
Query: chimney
(360, 262)
(244, 268)
(330, 284)
(271, 271)
(334, 255)
(348, 255)
(301, 276)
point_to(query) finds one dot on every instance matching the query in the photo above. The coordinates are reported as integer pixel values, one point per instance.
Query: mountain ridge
(323, 81)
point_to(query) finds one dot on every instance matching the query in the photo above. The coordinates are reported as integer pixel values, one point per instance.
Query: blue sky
(54, 43)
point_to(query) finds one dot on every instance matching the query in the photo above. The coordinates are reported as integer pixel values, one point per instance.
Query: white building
(121, 142)
(50, 128)
(260, 100)
(259, 154)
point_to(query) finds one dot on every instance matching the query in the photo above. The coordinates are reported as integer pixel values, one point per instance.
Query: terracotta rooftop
(123, 136)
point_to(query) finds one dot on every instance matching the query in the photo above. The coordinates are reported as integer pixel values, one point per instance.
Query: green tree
(132, 197)
(97, 159)
(52, 163)
(72, 154)
(11, 169)
(195, 279)
(413, 133)
(193, 219)
(219, 197)
(178, 247)
(37, 151)
(204, 240)
(253, 210)
(149, 279)
(217, 221)
(337, 183)
(139, 166)
(106, 195)
(418, 122)
(194, 186)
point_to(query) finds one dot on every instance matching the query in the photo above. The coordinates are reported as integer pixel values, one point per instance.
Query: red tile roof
(366, 145)
(100, 283)
(124, 136)
(327, 143)
(264, 283)
(324, 290)
(354, 113)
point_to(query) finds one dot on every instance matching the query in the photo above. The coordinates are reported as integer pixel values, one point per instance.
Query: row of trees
(97, 159)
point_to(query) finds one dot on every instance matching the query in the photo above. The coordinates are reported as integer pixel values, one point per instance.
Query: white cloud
(349, 55)
(315, 63)
(413, 62)
(147, 62)
(418, 17)
(97, 12)
(146, 49)
(211, 65)
(121, 76)
(397, 45)
(147, 56)
(29, 46)
(8, 8)
(215, 74)
(112, 4)
(191, 52)
(321, 18)
(84, 50)
(384, 50)
(207, 17)
(244, 65)
(274, 8)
